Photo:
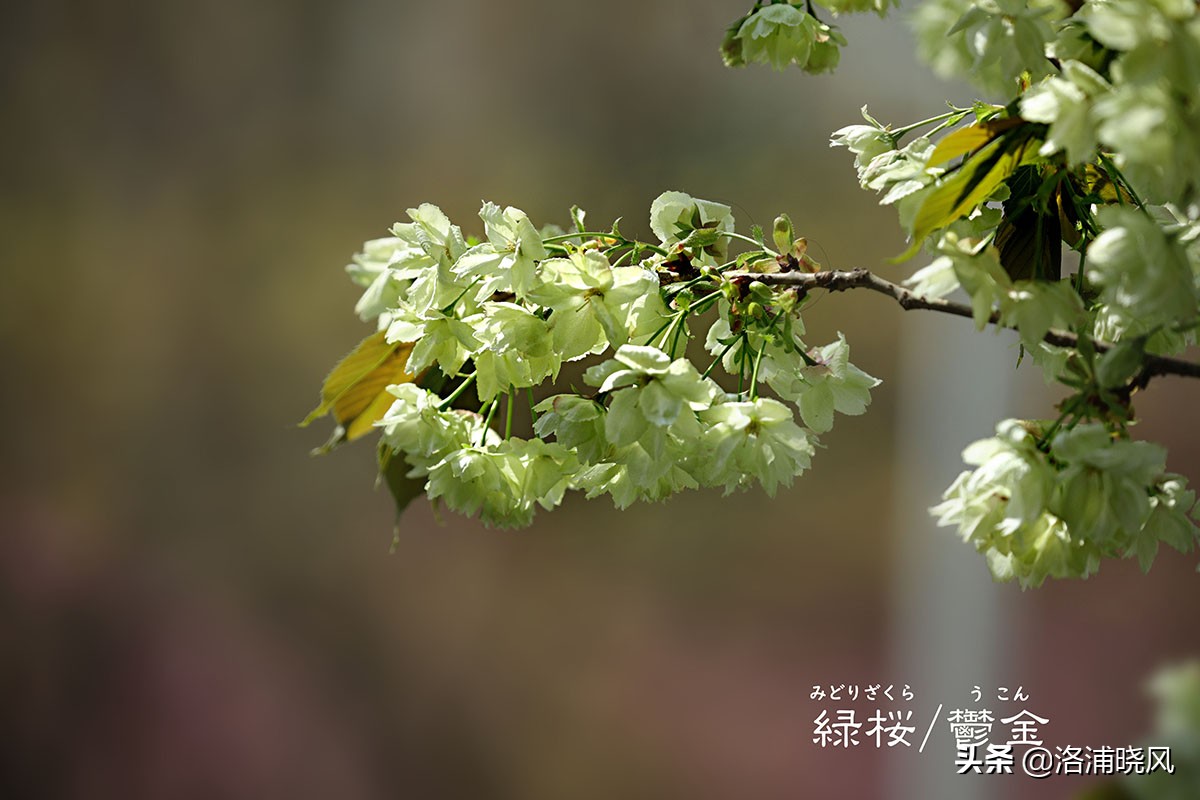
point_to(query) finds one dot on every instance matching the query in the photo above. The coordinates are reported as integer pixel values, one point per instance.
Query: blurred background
(191, 606)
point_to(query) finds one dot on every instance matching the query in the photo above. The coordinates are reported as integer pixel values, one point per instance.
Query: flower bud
(783, 233)
(731, 46)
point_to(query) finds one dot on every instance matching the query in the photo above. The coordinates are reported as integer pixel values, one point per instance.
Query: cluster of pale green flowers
(1110, 80)
(1097, 151)
(1069, 212)
(491, 321)
(901, 175)
(1032, 307)
(1137, 99)
(1141, 273)
(992, 43)
(1106, 75)
(1175, 690)
(780, 34)
(1043, 504)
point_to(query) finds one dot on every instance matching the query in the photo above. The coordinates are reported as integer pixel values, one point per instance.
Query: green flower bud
(783, 234)
(731, 46)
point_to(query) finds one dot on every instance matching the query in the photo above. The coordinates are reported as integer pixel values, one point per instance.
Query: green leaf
(1029, 238)
(393, 472)
(1145, 546)
(968, 186)
(756, 233)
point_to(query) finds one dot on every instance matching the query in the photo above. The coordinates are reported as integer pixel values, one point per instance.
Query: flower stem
(508, 404)
(762, 348)
(718, 359)
(755, 242)
(742, 363)
(907, 129)
(462, 387)
(493, 404)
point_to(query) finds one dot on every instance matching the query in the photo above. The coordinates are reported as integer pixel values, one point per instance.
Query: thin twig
(841, 280)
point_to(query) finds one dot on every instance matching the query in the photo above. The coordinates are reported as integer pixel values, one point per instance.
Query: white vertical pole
(949, 629)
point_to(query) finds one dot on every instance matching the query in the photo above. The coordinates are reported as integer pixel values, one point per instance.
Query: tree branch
(841, 280)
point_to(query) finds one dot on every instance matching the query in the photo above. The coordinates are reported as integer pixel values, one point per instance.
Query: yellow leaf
(959, 143)
(971, 138)
(967, 187)
(360, 408)
(356, 389)
(1094, 180)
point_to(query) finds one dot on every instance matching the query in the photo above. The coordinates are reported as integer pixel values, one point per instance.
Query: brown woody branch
(841, 280)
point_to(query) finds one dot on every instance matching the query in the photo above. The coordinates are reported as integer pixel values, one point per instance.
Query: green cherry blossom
(507, 262)
(415, 425)
(779, 35)
(1144, 274)
(756, 439)
(594, 305)
(515, 350)
(575, 422)
(830, 384)
(674, 216)
(662, 389)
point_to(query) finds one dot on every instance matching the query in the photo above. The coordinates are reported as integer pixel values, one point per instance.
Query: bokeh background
(191, 606)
